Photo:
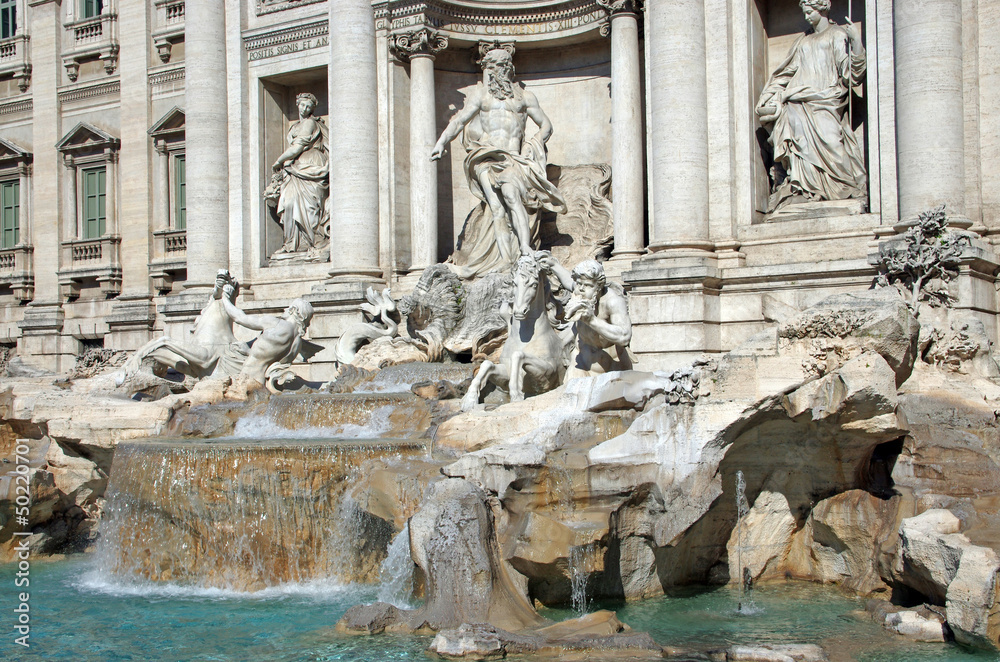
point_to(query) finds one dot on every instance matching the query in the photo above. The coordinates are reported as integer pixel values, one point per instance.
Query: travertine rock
(973, 598)
(453, 541)
(843, 538)
(777, 653)
(599, 634)
(931, 548)
(761, 541)
(918, 624)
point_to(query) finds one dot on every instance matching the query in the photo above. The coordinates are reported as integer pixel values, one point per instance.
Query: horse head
(527, 279)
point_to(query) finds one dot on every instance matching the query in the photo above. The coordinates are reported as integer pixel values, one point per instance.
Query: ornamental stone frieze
(466, 23)
(423, 41)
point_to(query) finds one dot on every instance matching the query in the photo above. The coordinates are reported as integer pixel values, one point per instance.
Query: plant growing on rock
(929, 252)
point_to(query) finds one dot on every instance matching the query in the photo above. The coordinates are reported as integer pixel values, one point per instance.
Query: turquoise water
(78, 616)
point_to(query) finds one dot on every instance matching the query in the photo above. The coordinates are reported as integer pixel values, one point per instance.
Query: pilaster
(133, 315)
(41, 343)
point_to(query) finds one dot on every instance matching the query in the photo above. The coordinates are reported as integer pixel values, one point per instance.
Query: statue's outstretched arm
(456, 124)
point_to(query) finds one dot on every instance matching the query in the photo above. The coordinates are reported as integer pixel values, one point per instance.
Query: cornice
(90, 91)
(16, 106)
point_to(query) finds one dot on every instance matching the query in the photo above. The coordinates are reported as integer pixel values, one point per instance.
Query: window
(8, 18)
(94, 211)
(92, 8)
(9, 211)
(180, 194)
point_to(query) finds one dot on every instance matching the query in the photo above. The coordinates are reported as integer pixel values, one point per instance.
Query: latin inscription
(290, 47)
(494, 30)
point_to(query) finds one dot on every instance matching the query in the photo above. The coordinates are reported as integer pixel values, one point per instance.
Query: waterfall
(582, 561)
(745, 602)
(396, 573)
(241, 515)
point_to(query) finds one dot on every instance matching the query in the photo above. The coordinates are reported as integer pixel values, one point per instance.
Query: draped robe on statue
(302, 206)
(812, 135)
(488, 243)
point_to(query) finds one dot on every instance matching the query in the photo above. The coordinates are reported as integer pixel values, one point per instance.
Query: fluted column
(626, 125)
(419, 47)
(206, 143)
(678, 93)
(930, 124)
(353, 102)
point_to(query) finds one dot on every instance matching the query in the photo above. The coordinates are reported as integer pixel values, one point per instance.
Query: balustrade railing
(89, 250)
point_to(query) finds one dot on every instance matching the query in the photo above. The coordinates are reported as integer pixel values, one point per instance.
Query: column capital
(416, 43)
(484, 47)
(615, 7)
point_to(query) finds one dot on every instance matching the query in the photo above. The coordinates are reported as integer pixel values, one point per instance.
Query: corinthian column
(626, 125)
(353, 104)
(206, 140)
(930, 122)
(419, 47)
(678, 93)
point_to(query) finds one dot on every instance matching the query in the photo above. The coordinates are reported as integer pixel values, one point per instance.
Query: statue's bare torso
(501, 122)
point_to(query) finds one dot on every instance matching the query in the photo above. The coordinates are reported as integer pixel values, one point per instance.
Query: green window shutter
(9, 209)
(180, 193)
(92, 8)
(8, 18)
(94, 202)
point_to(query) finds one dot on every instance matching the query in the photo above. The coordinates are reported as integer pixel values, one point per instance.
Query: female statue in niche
(807, 99)
(300, 185)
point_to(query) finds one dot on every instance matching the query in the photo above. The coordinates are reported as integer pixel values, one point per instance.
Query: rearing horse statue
(532, 360)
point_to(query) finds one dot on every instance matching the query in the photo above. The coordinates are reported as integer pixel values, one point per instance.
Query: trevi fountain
(569, 329)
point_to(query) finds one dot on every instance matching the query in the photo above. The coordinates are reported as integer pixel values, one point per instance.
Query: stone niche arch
(773, 28)
(278, 110)
(561, 52)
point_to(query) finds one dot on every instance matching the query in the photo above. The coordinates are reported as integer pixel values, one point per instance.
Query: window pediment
(170, 126)
(86, 137)
(10, 152)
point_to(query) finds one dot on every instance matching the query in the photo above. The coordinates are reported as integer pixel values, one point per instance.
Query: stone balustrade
(91, 259)
(17, 272)
(169, 258)
(169, 27)
(89, 39)
(15, 59)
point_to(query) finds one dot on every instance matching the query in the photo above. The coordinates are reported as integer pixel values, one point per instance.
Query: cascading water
(396, 573)
(241, 515)
(582, 560)
(399, 378)
(745, 602)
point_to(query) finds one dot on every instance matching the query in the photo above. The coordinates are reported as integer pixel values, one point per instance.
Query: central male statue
(505, 170)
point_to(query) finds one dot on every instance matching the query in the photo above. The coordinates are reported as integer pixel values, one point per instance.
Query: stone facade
(96, 112)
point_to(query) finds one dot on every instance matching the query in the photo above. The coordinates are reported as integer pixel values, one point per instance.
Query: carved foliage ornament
(620, 6)
(423, 41)
(928, 252)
